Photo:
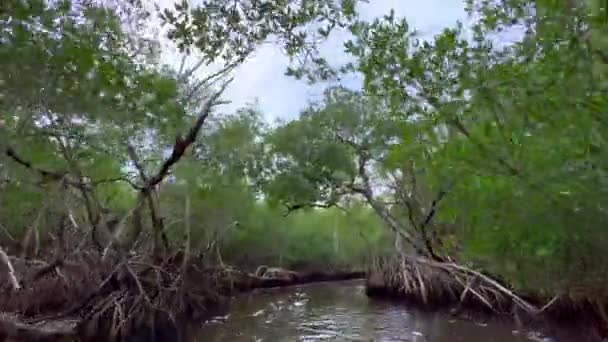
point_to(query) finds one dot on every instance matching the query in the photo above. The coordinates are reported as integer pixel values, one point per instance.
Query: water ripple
(342, 312)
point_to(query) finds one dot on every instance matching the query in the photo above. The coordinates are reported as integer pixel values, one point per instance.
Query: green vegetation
(453, 149)
(89, 112)
(490, 155)
(524, 138)
(316, 240)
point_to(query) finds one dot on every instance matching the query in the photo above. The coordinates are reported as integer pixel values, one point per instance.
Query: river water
(340, 311)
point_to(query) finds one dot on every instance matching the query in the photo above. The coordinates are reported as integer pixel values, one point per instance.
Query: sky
(261, 78)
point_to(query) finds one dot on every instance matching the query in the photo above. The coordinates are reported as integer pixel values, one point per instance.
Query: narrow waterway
(340, 311)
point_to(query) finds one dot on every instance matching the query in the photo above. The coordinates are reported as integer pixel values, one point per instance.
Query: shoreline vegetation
(471, 295)
(79, 298)
(466, 175)
(82, 297)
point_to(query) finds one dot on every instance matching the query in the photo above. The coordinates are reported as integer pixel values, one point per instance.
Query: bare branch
(182, 65)
(11, 270)
(181, 143)
(429, 216)
(208, 80)
(136, 162)
(184, 75)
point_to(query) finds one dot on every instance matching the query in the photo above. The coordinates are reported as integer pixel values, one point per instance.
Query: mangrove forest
(458, 180)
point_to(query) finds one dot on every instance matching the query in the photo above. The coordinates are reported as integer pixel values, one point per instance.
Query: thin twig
(7, 233)
(207, 81)
(11, 270)
(549, 303)
(120, 228)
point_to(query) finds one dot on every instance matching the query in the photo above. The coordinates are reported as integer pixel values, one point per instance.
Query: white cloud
(262, 76)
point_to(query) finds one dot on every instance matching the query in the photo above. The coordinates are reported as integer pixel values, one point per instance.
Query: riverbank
(75, 299)
(279, 277)
(87, 293)
(79, 297)
(467, 294)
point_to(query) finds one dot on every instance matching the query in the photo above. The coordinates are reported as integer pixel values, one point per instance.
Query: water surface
(340, 311)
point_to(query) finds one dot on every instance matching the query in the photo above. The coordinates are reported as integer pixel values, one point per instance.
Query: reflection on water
(342, 312)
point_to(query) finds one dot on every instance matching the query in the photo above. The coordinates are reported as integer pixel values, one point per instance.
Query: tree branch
(294, 207)
(429, 216)
(179, 149)
(207, 80)
(367, 193)
(114, 180)
(46, 174)
(181, 143)
(135, 159)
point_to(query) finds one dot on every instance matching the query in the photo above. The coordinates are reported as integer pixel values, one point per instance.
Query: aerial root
(113, 296)
(434, 283)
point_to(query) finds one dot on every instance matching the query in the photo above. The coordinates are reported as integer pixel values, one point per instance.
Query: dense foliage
(522, 134)
(454, 148)
(88, 116)
(508, 141)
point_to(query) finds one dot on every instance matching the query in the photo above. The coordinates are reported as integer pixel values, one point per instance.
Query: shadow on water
(342, 312)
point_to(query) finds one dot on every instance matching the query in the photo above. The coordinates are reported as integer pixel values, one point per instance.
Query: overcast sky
(278, 96)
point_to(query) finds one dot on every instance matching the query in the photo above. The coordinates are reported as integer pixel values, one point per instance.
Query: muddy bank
(433, 286)
(132, 299)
